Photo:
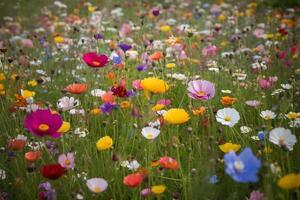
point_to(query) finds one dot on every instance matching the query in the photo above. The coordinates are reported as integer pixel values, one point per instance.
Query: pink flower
(27, 43)
(210, 50)
(67, 161)
(264, 84)
(93, 60)
(165, 102)
(136, 84)
(125, 30)
(259, 32)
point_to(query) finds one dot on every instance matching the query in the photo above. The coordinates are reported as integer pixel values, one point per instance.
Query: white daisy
(267, 114)
(150, 133)
(97, 92)
(283, 137)
(228, 116)
(133, 165)
(67, 103)
(286, 86)
(245, 129)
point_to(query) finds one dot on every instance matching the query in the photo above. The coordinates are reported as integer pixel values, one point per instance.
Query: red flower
(168, 163)
(133, 180)
(120, 90)
(53, 171)
(93, 60)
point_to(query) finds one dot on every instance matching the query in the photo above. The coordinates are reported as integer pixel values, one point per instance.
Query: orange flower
(156, 56)
(108, 97)
(20, 101)
(111, 75)
(227, 100)
(199, 111)
(32, 156)
(76, 88)
(16, 144)
(95, 111)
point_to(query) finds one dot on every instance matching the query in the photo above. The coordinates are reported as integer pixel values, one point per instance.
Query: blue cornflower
(243, 167)
(213, 179)
(117, 59)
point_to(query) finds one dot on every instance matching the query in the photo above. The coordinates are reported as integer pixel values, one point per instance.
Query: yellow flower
(165, 28)
(125, 104)
(2, 76)
(158, 189)
(27, 93)
(158, 107)
(154, 85)
(170, 65)
(59, 39)
(14, 76)
(293, 115)
(95, 111)
(222, 17)
(289, 181)
(92, 8)
(268, 150)
(32, 83)
(176, 116)
(229, 147)
(65, 127)
(104, 143)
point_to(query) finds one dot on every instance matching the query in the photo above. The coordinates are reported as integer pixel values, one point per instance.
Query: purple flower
(125, 47)
(142, 67)
(107, 108)
(43, 122)
(243, 167)
(256, 195)
(98, 36)
(67, 161)
(201, 90)
(46, 192)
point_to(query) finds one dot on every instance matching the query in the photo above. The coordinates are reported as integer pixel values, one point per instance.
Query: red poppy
(16, 145)
(133, 180)
(76, 88)
(93, 60)
(32, 156)
(52, 171)
(156, 56)
(168, 163)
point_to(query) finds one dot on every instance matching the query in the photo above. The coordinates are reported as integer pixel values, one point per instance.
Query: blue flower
(117, 59)
(213, 179)
(107, 108)
(261, 135)
(243, 167)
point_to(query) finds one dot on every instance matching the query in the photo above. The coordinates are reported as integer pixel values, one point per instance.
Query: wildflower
(67, 161)
(107, 108)
(228, 116)
(293, 115)
(97, 185)
(176, 116)
(18, 143)
(95, 111)
(243, 167)
(158, 55)
(253, 103)
(267, 114)
(245, 129)
(157, 107)
(201, 90)
(146, 192)
(227, 147)
(150, 133)
(32, 156)
(133, 180)
(165, 28)
(52, 171)
(154, 85)
(158, 189)
(27, 93)
(104, 143)
(65, 127)
(67, 103)
(289, 181)
(125, 104)
(76, 88)
(227, 100)
(131, 164)
(93, 60)
(46, 192)
(97, 92)
(170, 65)
(43, 122)
(59, 39)
(2, 174)
(32, 83)
(256, 195)
(283, 138)
(168, 163)
(199, 111)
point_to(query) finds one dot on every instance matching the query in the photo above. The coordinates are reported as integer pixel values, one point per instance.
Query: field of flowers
(192, 100)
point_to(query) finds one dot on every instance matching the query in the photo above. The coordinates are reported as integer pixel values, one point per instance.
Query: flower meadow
(149, 100)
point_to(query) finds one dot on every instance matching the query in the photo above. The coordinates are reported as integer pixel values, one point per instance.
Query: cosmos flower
(97, 185)
(283, 138)
(104, 143)
(67, 161)
(228, 116)
(150, 133)
(201, 90)
(43, 122)
(92, 59)
(67, 103)
(176, 116)
(243, 167)
(267, 114)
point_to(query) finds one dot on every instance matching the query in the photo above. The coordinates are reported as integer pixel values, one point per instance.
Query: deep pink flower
(43, 122)
(210, 50)
(92, 59)
(264, 84)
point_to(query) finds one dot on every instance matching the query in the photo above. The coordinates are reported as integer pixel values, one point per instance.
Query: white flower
(283, 137)
(277, 91)
(67, 103)
(150, 132)
(132, 54)
(228, 116)
(286, 86)
(132, 164)
(295, 123)
(77, 111)
(2, 174)
(155, 124)
(245, 129)
(226, 91)
(267, 114)
(81, 132)
(97, 92)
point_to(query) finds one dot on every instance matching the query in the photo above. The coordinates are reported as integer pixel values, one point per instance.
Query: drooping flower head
(201, 90)
(243, 167)
(43, 122)
(97, 185)
(92, 59)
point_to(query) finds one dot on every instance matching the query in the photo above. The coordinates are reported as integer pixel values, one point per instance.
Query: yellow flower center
(67, 162)
(227, 118)
(97, 189)
(149, 135)
(267, 117)
(96, 63)
(238, 165)
(201, 93)
(43, 127)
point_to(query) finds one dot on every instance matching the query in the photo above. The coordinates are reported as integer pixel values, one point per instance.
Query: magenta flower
(67, 161)
(92, 59)
(201, 90)
(43, 122)
(210, 50)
